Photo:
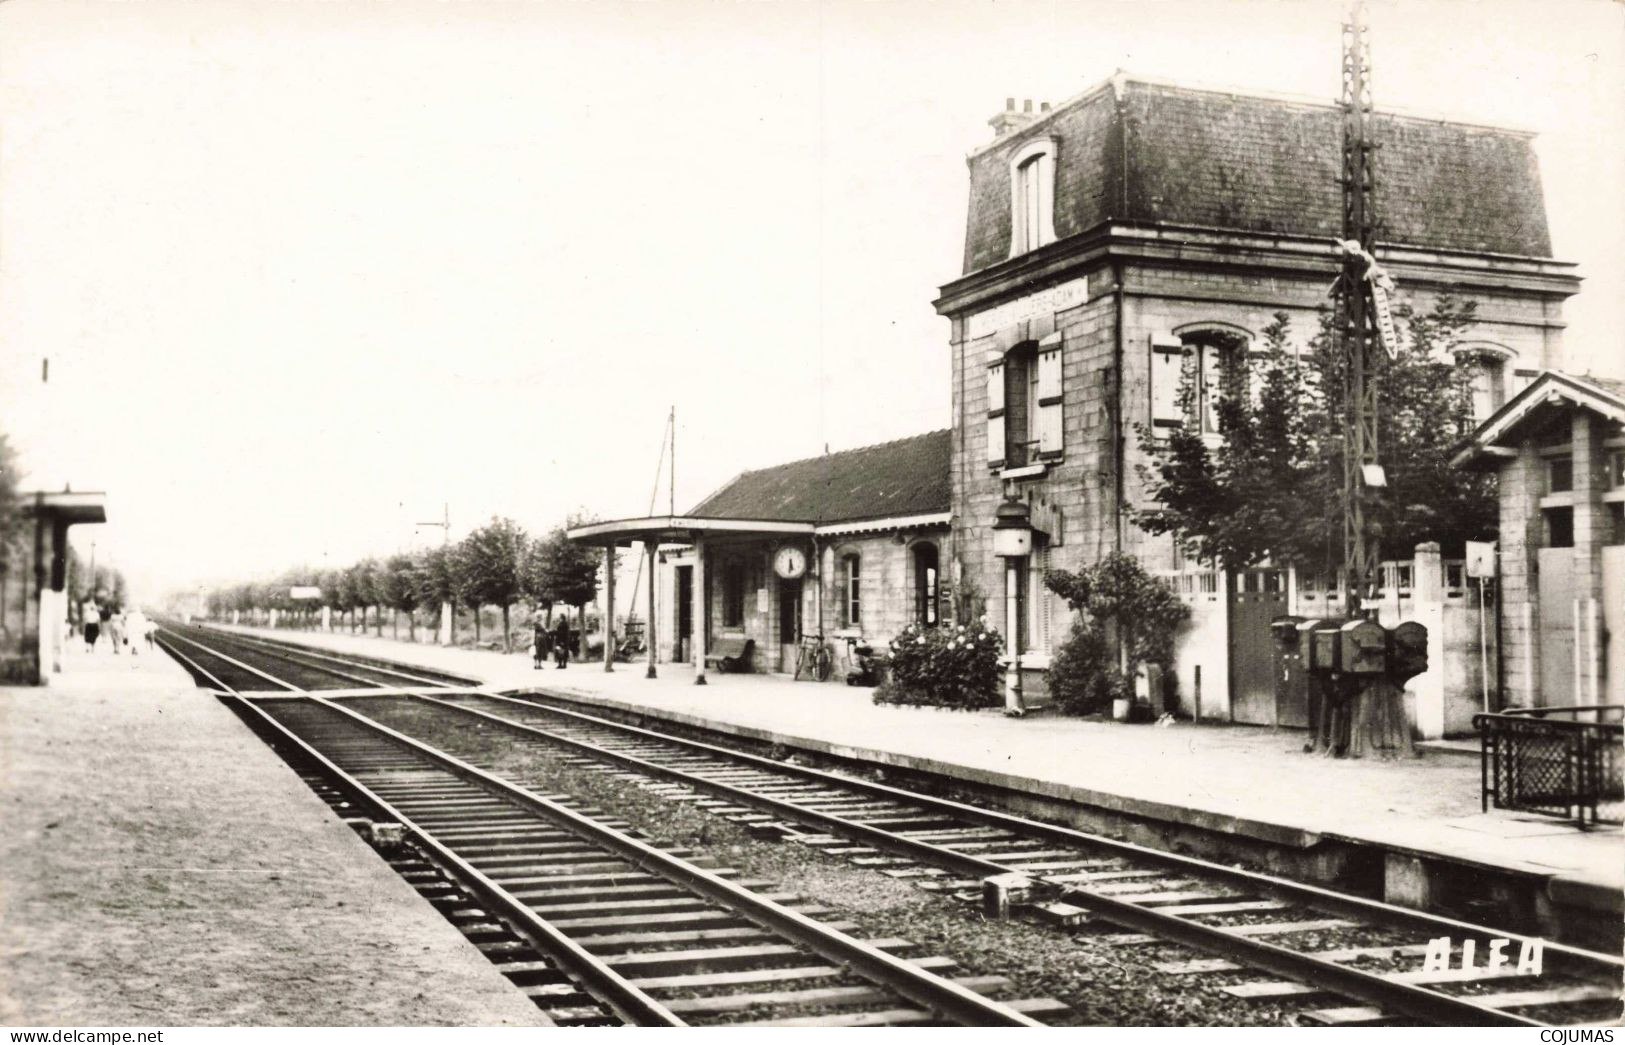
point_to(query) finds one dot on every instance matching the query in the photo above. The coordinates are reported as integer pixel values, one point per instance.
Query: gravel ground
(1103, 984)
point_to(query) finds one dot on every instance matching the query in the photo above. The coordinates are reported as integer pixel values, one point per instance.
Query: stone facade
(889, 594)
(1172, 239)
(1557, 452)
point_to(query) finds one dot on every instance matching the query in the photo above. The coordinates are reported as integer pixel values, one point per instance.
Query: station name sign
(1061, 296)
(304, 591)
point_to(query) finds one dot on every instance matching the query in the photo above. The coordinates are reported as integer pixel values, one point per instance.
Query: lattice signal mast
(1355, 293)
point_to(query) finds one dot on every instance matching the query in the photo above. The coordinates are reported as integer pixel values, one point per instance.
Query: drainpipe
(818, 566)
(1119, 451)
(1119, 443)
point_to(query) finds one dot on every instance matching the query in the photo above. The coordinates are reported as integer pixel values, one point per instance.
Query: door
(1556, 611)
(685, 614)
(789, 623)
(1613, 624)
(1257, 597)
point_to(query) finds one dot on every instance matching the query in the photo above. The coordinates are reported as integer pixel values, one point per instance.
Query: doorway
(1256, 598)
(926, 587)
(684, 630)
(789, 623)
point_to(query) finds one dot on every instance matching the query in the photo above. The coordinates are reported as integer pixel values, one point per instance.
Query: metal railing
(1558, 761)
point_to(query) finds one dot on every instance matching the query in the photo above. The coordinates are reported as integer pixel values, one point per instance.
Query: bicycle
(815, 658)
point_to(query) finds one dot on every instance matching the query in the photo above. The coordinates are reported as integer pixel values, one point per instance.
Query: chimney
(1010, 120)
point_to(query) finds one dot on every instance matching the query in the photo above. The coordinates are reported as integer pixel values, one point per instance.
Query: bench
(731, 654)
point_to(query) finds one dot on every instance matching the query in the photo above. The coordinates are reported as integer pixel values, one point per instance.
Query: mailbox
(1284, 630)
(1323, 646)
(1409, 652)
(1291, 662)
(1362, 648)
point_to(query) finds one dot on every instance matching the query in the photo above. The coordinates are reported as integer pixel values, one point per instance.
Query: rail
(1557, 761)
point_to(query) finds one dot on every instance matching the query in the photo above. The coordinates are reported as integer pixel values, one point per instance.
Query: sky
(305, 272)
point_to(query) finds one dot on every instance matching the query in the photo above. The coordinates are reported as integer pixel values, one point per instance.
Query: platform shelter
(33, 582)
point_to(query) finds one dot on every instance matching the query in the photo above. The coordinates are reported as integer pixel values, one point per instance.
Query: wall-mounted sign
(1061, 296)
(1480, 558)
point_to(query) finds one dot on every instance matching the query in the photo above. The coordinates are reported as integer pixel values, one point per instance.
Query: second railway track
(643, 934)
(1342, 959)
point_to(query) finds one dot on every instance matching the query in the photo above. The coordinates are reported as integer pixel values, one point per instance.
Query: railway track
(594, 923)
(1340, 959)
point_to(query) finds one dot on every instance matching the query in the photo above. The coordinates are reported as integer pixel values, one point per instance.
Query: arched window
(1484, 368)
(851, 589)
(1032, 197)
(1215, 366)
(926, 583)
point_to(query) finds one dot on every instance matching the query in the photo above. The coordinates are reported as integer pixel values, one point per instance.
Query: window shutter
(1040, 599)
(1167, 368)
(1258, 368)
(995, 413)
(1050, 399)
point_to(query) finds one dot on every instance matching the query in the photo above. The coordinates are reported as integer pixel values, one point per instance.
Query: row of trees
(498, 564)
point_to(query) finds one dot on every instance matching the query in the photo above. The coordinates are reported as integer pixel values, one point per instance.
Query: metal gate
(1561, 761)
(1257, 597)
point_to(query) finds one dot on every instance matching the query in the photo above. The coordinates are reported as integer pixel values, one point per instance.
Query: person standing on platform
(135, 629)
(91, 618)
(561, 643)
(110, 624)
(541, 641)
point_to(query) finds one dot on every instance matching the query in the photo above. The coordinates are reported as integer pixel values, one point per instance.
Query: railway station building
(848, 545)
(1136, 235)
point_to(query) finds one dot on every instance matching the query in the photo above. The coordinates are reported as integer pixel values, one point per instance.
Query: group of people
(557, 642)
(125, 630)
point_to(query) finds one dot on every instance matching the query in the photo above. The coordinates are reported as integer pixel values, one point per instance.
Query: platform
(160, 866)
(1238, 781)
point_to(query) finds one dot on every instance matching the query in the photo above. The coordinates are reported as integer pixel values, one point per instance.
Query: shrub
(1083, 675)
(953, 666)
(1113, 594)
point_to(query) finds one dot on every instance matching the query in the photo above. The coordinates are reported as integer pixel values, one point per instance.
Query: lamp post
(1013, 542)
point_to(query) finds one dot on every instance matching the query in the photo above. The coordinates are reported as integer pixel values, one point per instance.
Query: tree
(10, 505)
(536, 575)
(569, 572)
(463, 569)
(400, 589)
(370, 592)
(437, 580)
(1272, 487)
(492, 557)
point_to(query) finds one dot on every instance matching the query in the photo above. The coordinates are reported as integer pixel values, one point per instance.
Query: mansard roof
(1137, 151)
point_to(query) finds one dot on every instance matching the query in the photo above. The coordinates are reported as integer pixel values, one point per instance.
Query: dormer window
(1032, 197)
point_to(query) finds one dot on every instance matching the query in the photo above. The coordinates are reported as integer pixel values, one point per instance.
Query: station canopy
(895, 485)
